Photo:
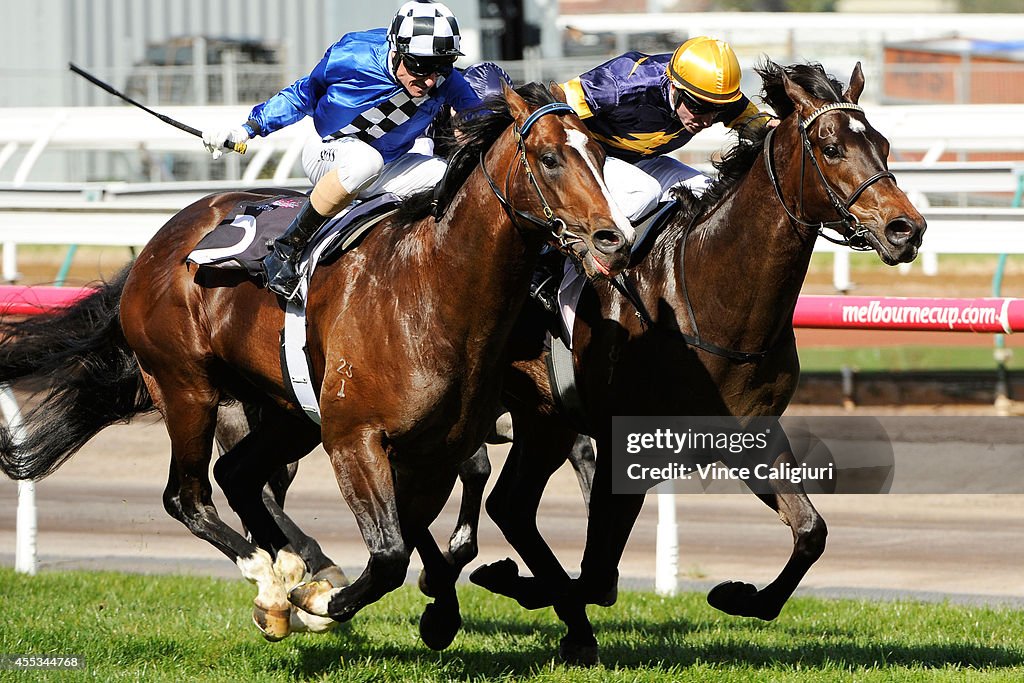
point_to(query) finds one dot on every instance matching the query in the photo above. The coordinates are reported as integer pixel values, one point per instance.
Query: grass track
(172, 628)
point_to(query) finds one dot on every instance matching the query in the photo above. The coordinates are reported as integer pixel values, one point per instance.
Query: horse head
(837, 176)
(561, 178)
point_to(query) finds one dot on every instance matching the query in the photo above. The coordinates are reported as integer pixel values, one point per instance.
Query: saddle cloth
(246, 236)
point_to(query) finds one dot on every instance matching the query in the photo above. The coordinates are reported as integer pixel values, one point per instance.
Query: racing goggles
(421, 67)
(698, 107)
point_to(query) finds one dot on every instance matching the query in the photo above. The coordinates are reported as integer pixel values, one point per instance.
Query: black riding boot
(282, 264)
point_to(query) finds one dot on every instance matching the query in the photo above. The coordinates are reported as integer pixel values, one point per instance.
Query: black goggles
(421, 67)
(699, 107)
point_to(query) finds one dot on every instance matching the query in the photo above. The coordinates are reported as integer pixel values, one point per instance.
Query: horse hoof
(313, 597)
(738, 599)
(439, 626)
(496, 577)
(304, 622)
(332, 575)
(574, 654)
(274, 624)
(502, 577)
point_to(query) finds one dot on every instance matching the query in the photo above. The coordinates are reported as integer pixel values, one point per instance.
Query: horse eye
(549, 159)
(831, 151)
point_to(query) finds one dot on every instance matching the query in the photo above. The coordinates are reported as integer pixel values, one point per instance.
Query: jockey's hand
(220, 140)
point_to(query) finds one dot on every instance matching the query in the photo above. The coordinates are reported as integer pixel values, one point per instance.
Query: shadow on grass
(497, 647)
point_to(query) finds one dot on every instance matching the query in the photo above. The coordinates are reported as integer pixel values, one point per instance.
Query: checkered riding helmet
(425, 29)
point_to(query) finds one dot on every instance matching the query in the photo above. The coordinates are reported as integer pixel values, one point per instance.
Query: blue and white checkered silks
(425, 29)
(374, 123)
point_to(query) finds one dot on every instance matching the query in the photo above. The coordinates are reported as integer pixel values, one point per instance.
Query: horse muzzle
(903, 236)
(606, 252)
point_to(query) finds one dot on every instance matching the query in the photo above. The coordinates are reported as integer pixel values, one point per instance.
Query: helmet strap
(674, 96)
(395, 60)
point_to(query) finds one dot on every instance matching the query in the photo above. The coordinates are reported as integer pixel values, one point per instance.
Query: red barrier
(15, 300)
(1003, 315)
(911, 313)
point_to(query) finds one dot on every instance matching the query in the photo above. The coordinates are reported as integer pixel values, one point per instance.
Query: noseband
(555, 227)
(850, 228)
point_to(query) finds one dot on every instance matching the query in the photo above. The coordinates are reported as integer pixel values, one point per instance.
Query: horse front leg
(809, 533)
(364, 476)
(421, 495)
(537, 451)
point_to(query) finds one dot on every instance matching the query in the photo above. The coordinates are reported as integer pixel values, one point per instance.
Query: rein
(849, 227)
(554, 226)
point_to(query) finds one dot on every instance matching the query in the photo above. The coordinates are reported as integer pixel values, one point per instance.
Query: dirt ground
(103, 509)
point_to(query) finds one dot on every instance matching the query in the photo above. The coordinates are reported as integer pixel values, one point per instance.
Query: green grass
(900, 358)
(132, 627)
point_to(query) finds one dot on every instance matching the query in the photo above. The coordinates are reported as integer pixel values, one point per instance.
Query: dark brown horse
(406, 338)
(718, 291)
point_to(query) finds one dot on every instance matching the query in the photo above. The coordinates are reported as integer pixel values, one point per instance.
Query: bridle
(555, 227)
(848, 226)
(852, 232)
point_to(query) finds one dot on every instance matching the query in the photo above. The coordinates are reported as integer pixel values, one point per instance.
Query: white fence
(919, 132)
(35, 210)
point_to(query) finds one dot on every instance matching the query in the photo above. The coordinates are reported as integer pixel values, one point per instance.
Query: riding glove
(216, 139)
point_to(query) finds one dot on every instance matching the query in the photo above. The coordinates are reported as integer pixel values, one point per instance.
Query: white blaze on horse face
(856, 126)
(578, 140)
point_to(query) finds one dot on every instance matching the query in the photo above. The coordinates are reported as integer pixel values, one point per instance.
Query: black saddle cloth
(243, 239)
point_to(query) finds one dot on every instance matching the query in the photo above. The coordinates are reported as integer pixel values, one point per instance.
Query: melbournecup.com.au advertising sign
(821, 454)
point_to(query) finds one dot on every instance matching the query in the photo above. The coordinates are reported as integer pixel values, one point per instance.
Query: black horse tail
(80, 359)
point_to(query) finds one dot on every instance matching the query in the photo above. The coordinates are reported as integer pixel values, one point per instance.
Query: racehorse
(406, 337)
(707, 331)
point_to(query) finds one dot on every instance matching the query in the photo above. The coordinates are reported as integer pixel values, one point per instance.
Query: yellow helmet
(706, 68)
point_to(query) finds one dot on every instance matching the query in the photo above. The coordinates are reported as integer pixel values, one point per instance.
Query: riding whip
(237, 147)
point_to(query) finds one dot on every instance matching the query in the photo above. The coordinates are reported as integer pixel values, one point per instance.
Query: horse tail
(80, 358)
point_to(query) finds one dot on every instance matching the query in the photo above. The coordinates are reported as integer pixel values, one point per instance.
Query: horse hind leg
(189, 410)
(463, 543)
(809, 534)
(268, 452)
(234, 422)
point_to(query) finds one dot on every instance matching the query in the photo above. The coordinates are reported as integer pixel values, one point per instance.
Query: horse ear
(516, 105)
(801, 100)
(556, 91)
(852, 93)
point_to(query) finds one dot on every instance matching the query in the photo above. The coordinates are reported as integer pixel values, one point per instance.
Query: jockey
(371, 96)
(640, 107)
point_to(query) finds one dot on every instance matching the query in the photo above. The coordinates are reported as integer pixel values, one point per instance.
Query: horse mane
(479, 129)
(738, 159)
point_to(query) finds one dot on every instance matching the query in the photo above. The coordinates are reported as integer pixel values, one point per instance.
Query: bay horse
(406, 339)
(710, 333)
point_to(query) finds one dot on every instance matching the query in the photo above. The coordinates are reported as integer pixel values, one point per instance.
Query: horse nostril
(608, 241)
(900, 231)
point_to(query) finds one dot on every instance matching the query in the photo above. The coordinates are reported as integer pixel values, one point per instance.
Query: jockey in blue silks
(371, 96)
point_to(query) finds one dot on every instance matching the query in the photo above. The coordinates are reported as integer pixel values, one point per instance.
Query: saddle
(243, 239)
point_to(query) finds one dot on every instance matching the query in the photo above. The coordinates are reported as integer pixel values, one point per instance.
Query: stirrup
(543, 296)
(288, 289)
(286, 279)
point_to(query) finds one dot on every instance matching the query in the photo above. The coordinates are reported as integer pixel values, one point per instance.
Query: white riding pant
(362, 170)
(637, 188)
